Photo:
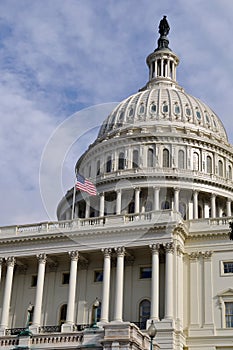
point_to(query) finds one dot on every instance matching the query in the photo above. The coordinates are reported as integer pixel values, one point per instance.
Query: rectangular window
(98, 276)
(229, 314)
(145, 272)
(65, 278)
(34, 281)
(228, 267)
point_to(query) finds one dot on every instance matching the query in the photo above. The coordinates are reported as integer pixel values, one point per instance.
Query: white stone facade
(152, 245)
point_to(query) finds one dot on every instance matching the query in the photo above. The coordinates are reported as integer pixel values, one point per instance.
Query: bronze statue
(231, 232)
(164, 27)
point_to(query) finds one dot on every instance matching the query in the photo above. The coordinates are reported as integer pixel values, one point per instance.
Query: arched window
(148, 206)
(220, 168)
(109, 164)
(195, 161)
(135, 159)
(144, 313)
(165, 205)
(142, 108)
(62, 314)
(181, 159)
(131, 207)
(98, 167)
(229, 172)
(121, 161)
(182, 210)
(150, 158)
(209, 164)
(166, 158)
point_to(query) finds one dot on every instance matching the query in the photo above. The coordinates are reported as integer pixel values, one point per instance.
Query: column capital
(74, 255)
(194, 256)
(118, 190)
(101, 194)
(213, 195)
(169, 247)
(177, 189)
(42, 258)
(10, 261)
(106, 252)
(138, 189)
(207, 255)
(120, 251)
(154, 248)
(179, 250)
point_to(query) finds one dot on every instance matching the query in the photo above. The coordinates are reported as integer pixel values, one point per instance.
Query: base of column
(2, 331)
(67, 327)
(34, 329)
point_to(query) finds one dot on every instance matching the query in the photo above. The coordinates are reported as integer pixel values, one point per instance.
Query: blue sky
(58, 57)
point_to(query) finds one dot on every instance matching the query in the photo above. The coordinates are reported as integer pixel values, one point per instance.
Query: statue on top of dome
(164, 27)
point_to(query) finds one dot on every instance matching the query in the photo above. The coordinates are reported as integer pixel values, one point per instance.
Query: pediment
(226, 292)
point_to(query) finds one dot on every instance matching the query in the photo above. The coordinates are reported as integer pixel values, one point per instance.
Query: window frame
(223, 298)
(222, 273)
(141, 278)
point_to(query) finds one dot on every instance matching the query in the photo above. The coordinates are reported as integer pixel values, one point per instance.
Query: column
(208, 290)
(156, 198)
(87, 212)
(106, 285)
(119, 284)
(176, 199)
(169, 248)
(213, 205)
(180, 286)
(194, 290)
(39, 293)
(154, 313)
(156, 70)
(137, 200)
(195, 204)
(228, 207)
(10, 262)
(68, 325)
(162, 62)
(1, 261)
(101, 213)
(118, 202)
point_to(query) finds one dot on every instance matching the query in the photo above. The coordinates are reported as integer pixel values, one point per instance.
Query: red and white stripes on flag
(85, 185)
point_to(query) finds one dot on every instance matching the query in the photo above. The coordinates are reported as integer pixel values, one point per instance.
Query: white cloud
(58, 57)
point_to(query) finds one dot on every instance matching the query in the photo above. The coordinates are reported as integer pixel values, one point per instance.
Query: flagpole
(73, 203)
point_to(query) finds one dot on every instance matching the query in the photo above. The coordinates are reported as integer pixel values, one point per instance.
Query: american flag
(85, 185)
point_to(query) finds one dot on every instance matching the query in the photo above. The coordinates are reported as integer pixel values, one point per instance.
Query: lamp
(152, 333)
(96, 304)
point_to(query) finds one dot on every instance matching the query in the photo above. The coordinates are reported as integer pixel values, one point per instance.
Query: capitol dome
(160, 148)
(163, 104)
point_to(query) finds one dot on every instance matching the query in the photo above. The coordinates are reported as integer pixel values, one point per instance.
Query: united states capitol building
(153, 244)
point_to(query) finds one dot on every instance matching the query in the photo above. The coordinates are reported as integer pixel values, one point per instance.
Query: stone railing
(158, 217)
(216, 224)
(187, 173)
